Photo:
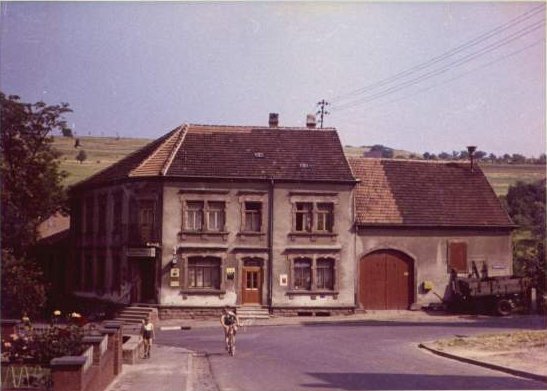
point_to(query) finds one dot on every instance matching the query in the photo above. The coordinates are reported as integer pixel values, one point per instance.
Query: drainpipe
(270, 241)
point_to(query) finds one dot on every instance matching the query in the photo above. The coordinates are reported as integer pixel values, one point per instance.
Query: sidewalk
(168, 369)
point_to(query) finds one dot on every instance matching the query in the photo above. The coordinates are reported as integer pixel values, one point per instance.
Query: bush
(40, 348)
(23, 287)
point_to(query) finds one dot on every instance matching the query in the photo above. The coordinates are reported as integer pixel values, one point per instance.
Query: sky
(434, 76)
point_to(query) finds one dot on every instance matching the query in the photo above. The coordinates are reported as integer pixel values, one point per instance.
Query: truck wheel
(504, 307)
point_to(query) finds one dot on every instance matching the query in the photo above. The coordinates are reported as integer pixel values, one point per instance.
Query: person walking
(147, 333)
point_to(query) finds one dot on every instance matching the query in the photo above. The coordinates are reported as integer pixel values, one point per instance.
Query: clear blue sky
(141, 69)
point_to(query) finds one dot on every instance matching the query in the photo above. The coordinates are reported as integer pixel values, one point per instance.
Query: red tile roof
(290, 154)
(420, 193)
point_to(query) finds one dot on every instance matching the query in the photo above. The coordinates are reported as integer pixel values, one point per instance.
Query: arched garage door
(386, 280)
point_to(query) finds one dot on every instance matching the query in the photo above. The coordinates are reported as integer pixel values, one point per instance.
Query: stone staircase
(252, 312)
(132, 317)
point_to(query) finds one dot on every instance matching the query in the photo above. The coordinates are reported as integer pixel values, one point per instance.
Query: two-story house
(208, 216)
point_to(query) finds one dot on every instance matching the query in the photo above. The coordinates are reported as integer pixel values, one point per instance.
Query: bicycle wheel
(231, 344)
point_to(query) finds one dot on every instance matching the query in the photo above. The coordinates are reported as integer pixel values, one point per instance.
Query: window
(302, 273)
(324, 215)
(325, 273)
(146, 220)
(253, 217)
(102, 214)
(116, 273)
(88, 273)
(457, 257)
(117, 213)
(310, 217)
(89, 215)
(304, 212)
(200, 216)
(215, 214)
(204, 272)
(194, 216)
(101, 274)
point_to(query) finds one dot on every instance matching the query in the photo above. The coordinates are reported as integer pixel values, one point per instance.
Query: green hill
(103, 151)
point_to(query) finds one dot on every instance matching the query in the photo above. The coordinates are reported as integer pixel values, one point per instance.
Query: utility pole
(322, 112)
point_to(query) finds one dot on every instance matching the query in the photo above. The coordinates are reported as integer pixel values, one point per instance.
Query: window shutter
(457, 257)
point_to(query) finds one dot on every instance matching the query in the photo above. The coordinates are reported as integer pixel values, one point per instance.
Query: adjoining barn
(418, 221)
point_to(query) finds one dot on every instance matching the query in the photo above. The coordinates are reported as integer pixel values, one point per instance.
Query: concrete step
(254, 312)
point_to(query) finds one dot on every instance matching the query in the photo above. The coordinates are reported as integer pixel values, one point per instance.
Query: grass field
(104, 151)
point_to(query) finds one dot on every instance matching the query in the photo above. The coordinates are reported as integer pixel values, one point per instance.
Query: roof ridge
(153, 154)
(250, 127)
(413, 160)
(182, 135)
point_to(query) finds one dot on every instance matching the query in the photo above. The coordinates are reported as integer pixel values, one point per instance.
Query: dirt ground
(521, 350)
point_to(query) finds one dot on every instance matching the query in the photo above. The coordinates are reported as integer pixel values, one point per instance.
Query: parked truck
(501, 295)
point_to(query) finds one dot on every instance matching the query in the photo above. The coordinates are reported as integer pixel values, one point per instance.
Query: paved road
(368, 355)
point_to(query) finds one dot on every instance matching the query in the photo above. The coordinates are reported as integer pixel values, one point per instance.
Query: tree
(479, 155)
(542, 159)
(32, 187)
(426, 155)
(444, 156)
(492, 157)
(518, 158)
(81, 156)
(386, 151)
(67, 132)
(526, 206)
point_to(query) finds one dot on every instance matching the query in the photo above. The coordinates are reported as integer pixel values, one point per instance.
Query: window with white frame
(324, 272)
(304, 214)
(252, 217)
(314, 217)
(204, 272)
(313, 273)
(205, 216)
(215, 213)
(194, 216)
(302, 274)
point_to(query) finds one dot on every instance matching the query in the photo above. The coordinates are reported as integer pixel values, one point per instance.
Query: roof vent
(304, 165)
(259, 155)
(274, 120)
(310, 121)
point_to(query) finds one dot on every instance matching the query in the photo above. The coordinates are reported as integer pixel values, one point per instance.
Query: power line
(499, 59)
(463, 60)
(513, 22)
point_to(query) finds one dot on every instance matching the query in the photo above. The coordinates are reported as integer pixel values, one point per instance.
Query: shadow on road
(399, 381)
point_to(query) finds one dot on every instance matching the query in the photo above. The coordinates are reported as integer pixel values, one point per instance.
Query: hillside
(104, 151)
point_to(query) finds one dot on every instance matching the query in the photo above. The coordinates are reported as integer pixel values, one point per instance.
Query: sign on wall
(175, 272)
(283, 279)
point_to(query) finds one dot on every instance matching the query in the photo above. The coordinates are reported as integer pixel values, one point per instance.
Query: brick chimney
(274, 120)
(310, 121)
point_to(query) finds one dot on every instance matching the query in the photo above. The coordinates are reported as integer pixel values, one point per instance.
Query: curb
(495, 367)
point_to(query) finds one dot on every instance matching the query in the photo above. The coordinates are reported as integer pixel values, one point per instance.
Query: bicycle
(231, 341)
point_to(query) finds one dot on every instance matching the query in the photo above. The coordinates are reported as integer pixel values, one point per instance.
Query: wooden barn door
(386, 281)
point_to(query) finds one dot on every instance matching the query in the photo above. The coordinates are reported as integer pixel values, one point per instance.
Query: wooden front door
(251, 285)
(386, 281)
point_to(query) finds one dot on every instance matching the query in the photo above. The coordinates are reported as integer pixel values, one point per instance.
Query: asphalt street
(365, 355)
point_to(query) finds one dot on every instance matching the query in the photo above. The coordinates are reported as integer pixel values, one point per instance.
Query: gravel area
(521, 350)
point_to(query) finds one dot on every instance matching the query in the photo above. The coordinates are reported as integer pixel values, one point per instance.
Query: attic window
(304, 165)
(259, 155)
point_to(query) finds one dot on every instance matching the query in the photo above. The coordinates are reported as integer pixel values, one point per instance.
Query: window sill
(198, 291)
(223, 234)
(313, 235)
(313, 294)
(250, 233)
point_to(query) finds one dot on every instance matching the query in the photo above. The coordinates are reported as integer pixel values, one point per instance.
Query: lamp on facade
(174, 260)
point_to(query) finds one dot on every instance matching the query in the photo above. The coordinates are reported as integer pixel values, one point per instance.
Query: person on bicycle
(227, 320)
(147, 333)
